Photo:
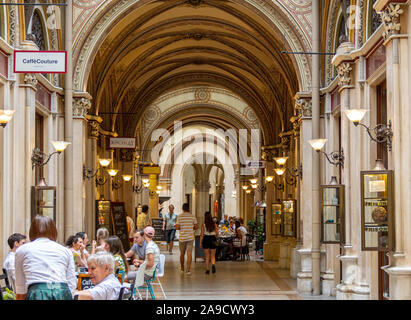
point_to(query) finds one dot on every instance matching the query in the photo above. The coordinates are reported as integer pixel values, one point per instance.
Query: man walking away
(169, 226)
(186, 223)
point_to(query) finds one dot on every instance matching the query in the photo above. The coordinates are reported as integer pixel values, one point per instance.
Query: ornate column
(350, 287)
(303, 111)
(81, 105)
(295, 260)
(271, 245)
(91, 162)
(398, 80)
(202, 189)
(30, 88)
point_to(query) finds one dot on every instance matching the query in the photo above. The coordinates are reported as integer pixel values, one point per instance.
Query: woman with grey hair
(101, 270)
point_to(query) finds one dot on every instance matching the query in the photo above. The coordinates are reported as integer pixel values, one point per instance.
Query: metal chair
(160, 273)
(7, 280)
(148, 286)
(2, 289)
(139, 280)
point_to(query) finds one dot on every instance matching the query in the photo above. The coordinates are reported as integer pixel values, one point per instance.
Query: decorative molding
(303, 108)
(81, 107)
(31, 79)
(95, 129)
(390, 18)
(344, 74)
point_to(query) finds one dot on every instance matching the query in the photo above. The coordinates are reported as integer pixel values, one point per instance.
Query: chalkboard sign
(198, 252)
(103, 219)
(158, 227)
(119, 220)
(84, 282)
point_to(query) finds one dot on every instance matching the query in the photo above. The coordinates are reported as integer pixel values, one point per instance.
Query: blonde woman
(99, 245)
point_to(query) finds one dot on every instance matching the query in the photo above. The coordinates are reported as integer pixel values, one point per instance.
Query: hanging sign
(40, 61)
(122, 143)
(255, 164)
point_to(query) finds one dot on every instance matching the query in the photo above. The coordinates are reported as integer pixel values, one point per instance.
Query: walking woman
(208, 239)
(44, 268)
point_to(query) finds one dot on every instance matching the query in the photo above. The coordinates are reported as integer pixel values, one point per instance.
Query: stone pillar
(202, 188)
(30, 141)
(304, 276)
(352, 258)
(81, 106)
(153, 205)
(395, 18)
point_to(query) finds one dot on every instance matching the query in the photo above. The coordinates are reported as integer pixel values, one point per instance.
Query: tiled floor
(245, 280)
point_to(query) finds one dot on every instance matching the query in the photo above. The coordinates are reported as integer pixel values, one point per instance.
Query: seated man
(138, 250)
(15, 240)
(101, 270)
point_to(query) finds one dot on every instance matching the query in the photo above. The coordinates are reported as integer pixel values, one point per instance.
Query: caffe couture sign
(122, 143)
(40, 61)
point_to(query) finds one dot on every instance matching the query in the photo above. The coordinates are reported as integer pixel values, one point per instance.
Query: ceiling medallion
(195, 2)
(202, 95)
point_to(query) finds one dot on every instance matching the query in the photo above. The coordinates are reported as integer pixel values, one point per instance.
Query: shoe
(207, 272)
(213, 268)
(182, 270)
(170, 252)
(188, 272)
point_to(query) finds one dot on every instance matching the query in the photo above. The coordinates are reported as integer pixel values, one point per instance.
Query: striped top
(186, 221)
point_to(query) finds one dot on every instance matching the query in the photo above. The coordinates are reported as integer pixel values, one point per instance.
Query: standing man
(186, 223)
(169, 226)
(14, 241)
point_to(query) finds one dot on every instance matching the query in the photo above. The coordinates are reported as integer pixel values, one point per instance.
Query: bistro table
(225, 246)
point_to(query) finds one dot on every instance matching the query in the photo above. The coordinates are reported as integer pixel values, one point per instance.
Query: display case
(43, 201)
(103, 215)
(332, 212)
(289, 208)
(377, 210)
(276, 219)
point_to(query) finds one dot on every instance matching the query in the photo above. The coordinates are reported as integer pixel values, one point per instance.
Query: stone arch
(109, 13)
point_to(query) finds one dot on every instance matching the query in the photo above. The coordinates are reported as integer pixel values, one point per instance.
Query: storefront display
(377, 210)
(276, 219)
(103, 219)
(44, 202)
(332, 212)
(283, 218)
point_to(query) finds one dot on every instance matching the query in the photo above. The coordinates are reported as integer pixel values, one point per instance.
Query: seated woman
(76, 246)
(101, 270)
(115, 247)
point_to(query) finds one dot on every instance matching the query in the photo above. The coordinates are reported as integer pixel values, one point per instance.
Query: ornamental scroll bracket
(303, 108)
(344, 74)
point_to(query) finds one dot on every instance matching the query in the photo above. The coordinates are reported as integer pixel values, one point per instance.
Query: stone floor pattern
(234, 280)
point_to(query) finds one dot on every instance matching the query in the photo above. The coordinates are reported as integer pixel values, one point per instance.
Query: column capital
(390, 18)
(81, 105)
(203, 186)
(303, 106)
(30, 79)
(268, 153)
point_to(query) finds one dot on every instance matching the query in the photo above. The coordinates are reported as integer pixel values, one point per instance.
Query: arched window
(37, 29)
(374, 19)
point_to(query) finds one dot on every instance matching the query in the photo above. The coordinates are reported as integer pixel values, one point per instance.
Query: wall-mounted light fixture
(336, 158)
(88, 172)
(5, 117)
(40, 159)
(383, 132)
(290, 175)
(138, 188)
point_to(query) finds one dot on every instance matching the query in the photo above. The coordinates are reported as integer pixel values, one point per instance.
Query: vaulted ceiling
(164, 45)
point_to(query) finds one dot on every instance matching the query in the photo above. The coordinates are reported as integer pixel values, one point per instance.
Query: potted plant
(259, 237)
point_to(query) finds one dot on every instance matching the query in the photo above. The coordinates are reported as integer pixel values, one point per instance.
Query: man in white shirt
(186, 223)
(101, 269)
(15, 240)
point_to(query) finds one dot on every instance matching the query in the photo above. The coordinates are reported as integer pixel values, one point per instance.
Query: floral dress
(119, 263)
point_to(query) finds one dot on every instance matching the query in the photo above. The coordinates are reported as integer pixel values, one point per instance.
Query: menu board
(157, 224)
(118, 214)
(103, 219)
(84, 282)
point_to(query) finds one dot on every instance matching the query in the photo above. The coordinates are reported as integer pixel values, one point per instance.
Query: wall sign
(40, 61)
(255, 164)
(122, 143)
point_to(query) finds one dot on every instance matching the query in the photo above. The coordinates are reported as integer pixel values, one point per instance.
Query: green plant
(252, 225)
(260, 233)
(9, 295)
